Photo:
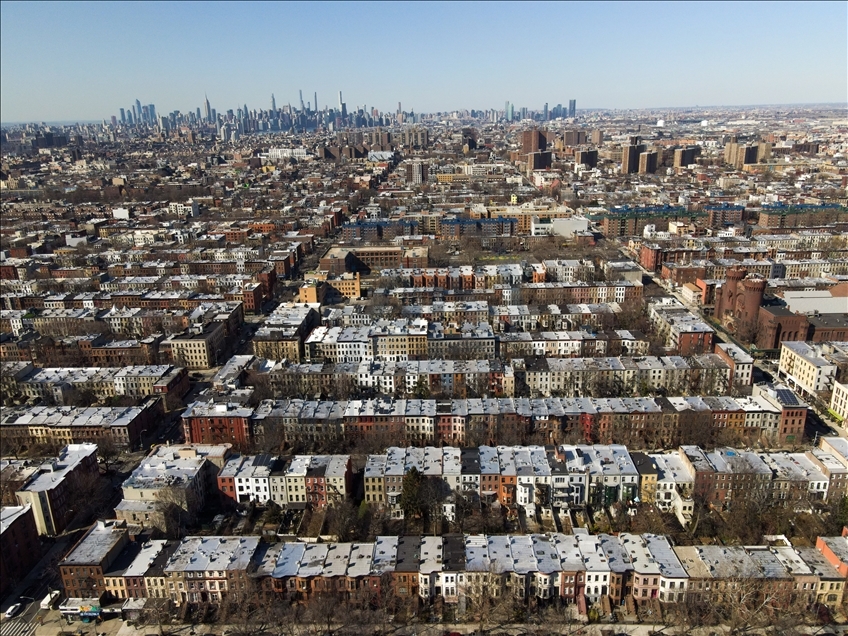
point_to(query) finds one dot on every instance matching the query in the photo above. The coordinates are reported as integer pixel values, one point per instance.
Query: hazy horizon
(91, 59)
(73, 122)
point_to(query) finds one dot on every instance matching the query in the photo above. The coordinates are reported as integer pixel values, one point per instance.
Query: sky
(83, 61)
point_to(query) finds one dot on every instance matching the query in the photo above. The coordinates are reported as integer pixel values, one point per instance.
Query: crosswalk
(16, 627)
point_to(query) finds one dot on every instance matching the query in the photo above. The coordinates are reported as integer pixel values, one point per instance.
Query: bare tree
(107, 451)
(488, 602)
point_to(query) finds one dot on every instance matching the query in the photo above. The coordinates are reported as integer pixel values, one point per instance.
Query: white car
(12, 611)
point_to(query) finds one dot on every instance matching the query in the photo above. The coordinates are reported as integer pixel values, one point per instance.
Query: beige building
(51, 489)
(198, 348)
(807, 368)
(839, 400)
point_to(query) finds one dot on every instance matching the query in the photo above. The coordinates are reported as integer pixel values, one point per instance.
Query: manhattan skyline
(431, 57)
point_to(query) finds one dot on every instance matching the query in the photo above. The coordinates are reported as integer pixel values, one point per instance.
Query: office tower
(138, 113)
(214, 115)
(145, 114)
(511, 113)
(400, 110)
(198, 113)
(533, 141)
(300, 92)
(315, 95)
(123, 117)
(208, 109)
(630, 158)
(597, 136)
(648, 162)
(545, 112)
(523, 112)
(130, 121)
(114, 121)
(151, 112)
(273, 104)
(572, 108)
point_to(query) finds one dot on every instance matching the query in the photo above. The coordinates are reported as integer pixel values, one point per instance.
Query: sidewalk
(116, 627)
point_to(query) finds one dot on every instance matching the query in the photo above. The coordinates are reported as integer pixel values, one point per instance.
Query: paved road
(16, 627)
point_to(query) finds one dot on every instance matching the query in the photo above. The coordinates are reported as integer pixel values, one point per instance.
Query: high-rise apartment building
(586, 157)
(630, 158)
(533, 141)
(686, 156)
(648, 162)
(416, 172)
(574, 137)
(597, 137)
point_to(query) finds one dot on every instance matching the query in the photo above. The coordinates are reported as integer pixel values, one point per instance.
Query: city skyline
(89, 79)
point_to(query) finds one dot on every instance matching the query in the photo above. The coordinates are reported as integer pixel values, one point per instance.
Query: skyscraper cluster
(545, 114)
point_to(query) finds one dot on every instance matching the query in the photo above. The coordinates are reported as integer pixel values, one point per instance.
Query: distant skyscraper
(208, 109)
(273, 104)
(545, 112)
(300, 92)
(151, 110)
(198, 113)
(123, 117)
(340, 101)
(572, 108)
(315, 96)
(137, 112)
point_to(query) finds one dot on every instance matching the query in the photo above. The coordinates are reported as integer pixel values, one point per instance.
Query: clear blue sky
(67, 61)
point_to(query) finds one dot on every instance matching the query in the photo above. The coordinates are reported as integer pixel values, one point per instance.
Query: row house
(580, 292)
(26, 426)
(580, 569)
(705, 373)
(774, 415)
(319, 480)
